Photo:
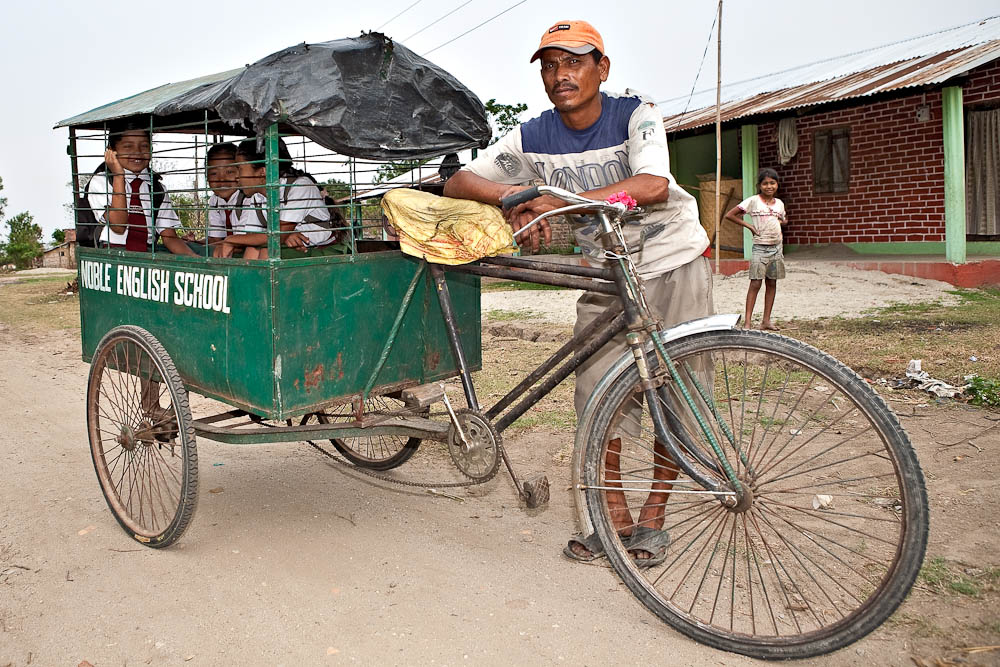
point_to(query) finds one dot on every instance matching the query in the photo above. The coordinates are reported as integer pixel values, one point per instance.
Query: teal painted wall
(690, 156)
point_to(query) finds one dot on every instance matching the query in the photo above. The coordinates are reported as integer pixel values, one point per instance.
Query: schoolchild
(306, 223)
(767, 264)
(122, 196)
(224, 205)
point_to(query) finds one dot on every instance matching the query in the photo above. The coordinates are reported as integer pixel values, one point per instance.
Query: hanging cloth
(788, 140)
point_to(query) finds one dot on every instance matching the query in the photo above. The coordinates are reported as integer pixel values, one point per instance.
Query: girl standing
(767, 263)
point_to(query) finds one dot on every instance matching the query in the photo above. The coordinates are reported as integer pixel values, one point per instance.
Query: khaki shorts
(767, 261)
(676, 296)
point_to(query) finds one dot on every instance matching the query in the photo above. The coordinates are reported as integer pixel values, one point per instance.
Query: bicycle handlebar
(513, 200)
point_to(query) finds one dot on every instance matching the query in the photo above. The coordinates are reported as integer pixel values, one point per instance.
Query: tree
(503, 117)
(390, 170)
(190, 213)
(24, 241)
(59, 236)
(335, 188)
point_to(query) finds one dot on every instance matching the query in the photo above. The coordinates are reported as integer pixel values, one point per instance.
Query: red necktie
(229, 220)
(137, 234)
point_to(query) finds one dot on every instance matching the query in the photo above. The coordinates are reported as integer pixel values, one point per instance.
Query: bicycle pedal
(536, 491)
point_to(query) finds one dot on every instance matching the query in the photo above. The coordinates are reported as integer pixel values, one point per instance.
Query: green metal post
(954, 174)
(748, 138)
(273, 196)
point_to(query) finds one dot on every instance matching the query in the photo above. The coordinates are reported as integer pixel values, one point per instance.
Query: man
(598, 144)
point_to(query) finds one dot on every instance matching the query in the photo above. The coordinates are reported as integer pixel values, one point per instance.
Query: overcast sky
(58, 59)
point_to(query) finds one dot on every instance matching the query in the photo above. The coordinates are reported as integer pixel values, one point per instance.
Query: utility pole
(718, 136)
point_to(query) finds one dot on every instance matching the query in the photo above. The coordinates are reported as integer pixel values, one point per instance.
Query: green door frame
(953, 133)
(748, 140)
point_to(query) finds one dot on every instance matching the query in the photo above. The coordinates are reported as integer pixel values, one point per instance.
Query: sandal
(592, 543)
(652, 541)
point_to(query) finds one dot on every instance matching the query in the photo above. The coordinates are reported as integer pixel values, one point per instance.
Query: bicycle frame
(632, 314)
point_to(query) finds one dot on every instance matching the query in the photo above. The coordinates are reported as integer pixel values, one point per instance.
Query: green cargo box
(282, 338)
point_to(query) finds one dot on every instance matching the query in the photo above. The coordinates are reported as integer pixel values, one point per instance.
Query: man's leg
(589, 306)
(678, 296)
(664, 471)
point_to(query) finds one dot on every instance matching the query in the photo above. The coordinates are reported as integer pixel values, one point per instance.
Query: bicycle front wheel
(828, 539)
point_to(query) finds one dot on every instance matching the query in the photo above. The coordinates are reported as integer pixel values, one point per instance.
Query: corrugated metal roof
(145, 102)
(919, 61)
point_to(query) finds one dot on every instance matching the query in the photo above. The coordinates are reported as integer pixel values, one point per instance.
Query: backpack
(88, 229)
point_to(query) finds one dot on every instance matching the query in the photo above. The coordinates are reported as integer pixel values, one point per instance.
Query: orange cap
(577, 37)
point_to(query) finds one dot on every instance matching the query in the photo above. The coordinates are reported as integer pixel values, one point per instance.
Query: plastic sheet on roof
(366, 97)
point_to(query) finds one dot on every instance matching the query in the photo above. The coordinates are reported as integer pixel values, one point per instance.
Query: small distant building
(62, 256)
(891, 150)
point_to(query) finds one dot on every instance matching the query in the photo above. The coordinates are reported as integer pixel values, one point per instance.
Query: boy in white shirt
(124, 197)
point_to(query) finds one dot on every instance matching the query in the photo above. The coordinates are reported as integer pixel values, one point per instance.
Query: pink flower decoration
(623, 198)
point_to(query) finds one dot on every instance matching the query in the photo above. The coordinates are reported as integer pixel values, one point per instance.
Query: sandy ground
(291, 561)
(811, 290)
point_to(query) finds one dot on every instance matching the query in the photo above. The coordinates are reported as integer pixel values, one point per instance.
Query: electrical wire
(399, 14)
(475, 28)
(711, 31)
(437, 21)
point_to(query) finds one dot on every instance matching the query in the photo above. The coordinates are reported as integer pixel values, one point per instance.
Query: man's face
(572, 82)
(132, 148)
(223, 176)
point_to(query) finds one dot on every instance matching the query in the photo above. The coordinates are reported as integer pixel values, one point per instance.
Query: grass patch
(517, 286)
(554, 419)
(505, 364)
(940, 576)
(880, 344)
(507, 315)
(39, 304)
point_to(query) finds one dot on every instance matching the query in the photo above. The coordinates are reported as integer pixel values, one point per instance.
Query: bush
(984, 391)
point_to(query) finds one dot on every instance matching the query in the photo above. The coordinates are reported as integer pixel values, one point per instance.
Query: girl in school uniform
(225, 203)
(306, 224)
(123, 197)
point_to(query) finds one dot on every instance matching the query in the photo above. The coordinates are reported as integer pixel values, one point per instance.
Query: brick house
(893, 150)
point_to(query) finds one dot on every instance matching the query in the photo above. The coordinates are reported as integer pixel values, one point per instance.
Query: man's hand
(296, 241)
(522, 214)
(223, 249)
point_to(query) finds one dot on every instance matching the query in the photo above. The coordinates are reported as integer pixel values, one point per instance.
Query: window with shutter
(831, 160)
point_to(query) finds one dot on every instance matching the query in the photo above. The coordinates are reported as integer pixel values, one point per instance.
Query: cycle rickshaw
(794, 502)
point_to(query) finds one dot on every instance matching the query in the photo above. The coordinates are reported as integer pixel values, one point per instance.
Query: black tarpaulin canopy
(365, 97)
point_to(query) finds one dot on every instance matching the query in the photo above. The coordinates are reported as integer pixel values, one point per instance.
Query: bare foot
(768, 326)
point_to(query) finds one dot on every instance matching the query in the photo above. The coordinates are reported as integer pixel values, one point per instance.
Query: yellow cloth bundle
(446, 230)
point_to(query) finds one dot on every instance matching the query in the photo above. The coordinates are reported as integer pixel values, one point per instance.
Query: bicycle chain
(403, 482)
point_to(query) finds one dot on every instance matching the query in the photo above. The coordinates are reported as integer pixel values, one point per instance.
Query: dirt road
(290, 561)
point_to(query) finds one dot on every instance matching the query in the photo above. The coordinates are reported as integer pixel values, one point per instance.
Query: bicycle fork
(640, 318)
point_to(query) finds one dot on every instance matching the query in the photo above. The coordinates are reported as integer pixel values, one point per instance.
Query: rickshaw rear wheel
(376, 452)
(144, 452)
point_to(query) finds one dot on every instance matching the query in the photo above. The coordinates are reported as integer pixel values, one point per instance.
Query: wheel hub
(744, 498)
(126, 438)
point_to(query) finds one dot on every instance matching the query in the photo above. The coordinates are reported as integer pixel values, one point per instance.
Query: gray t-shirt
(627, 140)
